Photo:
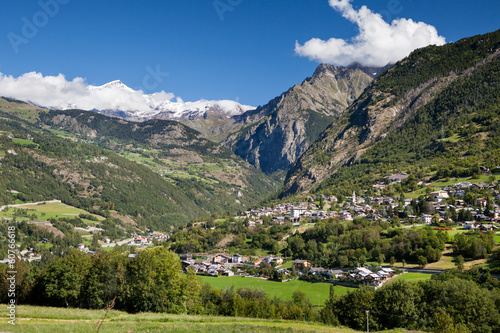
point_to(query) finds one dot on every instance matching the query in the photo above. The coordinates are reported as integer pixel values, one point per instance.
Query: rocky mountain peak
(280, 131)
(324, 67)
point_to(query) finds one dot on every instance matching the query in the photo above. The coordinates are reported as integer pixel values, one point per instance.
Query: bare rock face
(68, 122)
(275, 135)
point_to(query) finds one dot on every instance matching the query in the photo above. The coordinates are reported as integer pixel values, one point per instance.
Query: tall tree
(62, 281)
(155, 282)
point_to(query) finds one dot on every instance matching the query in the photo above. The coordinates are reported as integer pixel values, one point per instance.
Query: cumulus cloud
(378, 42)
(58, 93)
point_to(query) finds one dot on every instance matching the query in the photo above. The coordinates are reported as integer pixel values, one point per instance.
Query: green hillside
(211, 175)
(46, 319)
(433, 114)
(160, 173)
(46, 167)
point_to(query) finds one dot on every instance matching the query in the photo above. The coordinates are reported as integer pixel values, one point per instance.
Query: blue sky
(243, 50)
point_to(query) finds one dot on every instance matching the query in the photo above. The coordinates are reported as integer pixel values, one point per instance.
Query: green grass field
(64, 134)
(287, 264)
(418, 193)
(24, 142)
(187, 170)
(23, 111)
(317, 292)
(453, 232)
(480, 179)
(454, 138)
(49, 320)
(413, 277)
(48, 211)
(444, 263)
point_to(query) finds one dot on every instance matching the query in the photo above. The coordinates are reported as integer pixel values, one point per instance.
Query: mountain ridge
(199, 177)
(401, 97)
(274, 135)
(136, 105)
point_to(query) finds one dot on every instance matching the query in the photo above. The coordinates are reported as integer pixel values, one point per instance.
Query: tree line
(152, 281)
(453, 301)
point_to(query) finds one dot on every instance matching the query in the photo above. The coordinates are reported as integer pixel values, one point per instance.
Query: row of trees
(333, 243)
(330, 243)
(454, 301)
(246, 241)
(474, 246)
(443, 304)
(153, 281)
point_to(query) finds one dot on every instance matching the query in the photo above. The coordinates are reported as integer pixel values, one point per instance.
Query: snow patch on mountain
(115, 97)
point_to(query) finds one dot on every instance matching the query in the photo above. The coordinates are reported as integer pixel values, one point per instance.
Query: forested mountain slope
(45, 167)
(177, 152)
(437, 108)
(42, 166)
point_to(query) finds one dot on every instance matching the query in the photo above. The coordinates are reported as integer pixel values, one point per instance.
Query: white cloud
(57, 93)
(378, 42)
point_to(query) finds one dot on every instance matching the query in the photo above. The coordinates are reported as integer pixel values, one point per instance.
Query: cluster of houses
(366, 276)
(457, 191)
(148, 239)
(283, 213)
(219, 264)
(28, 255)
(375, 208)
(223, 265)
(358, 275)
(227, 265)
(139, 241)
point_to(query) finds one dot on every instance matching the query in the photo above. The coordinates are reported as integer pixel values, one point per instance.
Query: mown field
(50, 320)
(47, 211)
(317, 292)
(413, 277)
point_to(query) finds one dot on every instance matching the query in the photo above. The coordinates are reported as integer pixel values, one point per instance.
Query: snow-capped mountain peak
(113, 98)
(115, 84)
(160, 105)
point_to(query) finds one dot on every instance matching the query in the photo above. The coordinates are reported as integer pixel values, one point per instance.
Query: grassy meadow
(317, 292)
(47, 211)
(413, 277)
(449, 182)
(49, 320)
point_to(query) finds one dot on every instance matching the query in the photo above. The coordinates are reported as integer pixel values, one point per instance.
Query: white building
(297, 212)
